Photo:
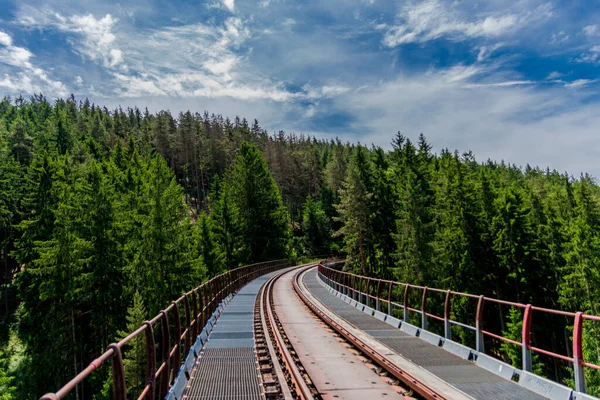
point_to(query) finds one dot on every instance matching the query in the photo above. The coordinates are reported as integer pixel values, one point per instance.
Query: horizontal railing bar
(551, 354)
(502, 338)
(551, 311)
(462, 325)
(435, 317)
(94, 365)
(358, 282)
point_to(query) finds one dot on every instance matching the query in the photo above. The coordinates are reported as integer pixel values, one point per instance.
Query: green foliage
(514, 353)
(316, 226)
(134, 358)
(104, 211)
(260, 212)
(354, 210)
(7, 388)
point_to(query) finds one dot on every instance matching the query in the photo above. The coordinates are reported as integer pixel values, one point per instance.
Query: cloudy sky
(517, 82)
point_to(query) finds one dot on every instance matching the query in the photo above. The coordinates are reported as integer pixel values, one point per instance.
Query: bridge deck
(227, 366)
(458, 372)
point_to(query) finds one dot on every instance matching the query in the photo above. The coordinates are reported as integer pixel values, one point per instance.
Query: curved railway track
(282, 372)
(400, 378)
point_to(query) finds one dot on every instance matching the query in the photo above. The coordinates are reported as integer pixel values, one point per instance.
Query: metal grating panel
(464, 375)
(225, 374)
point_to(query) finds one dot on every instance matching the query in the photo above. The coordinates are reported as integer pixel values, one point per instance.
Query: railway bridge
(276, 331)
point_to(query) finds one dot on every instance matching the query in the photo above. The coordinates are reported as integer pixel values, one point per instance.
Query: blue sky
(511, 80)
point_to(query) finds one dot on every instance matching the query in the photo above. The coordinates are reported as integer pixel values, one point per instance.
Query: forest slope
(111, 213)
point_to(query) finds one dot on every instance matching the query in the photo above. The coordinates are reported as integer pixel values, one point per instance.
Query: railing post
(406, 311)
(118, 372)
(424, 309)
(479, 325)
(389, 310)
(526, 339)
(188, 322)
(377, 305)
(165, 342)
(202, 298)
(150, 361)
(578, 353)
(195, 330)
(177, 332)
(367, 297)
(354, 293)
(447, 326)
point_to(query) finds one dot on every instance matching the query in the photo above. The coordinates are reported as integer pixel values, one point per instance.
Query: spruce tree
(7, 388)
(134, 358)
(263, 217)
(354, 210)
(226, 225)
(316, 226)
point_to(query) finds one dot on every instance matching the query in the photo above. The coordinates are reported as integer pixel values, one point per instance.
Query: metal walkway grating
(227, 367)
(225, 374)
(462, 374)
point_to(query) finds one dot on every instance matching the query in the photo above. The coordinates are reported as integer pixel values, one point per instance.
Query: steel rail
(380, 359)
(276, 339)
(283, 386)
(358, 286)
(167, 353)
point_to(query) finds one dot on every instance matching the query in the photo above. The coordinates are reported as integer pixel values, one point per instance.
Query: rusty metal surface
(227, 366)
(163, 359)
(462, 374)
(333, 368)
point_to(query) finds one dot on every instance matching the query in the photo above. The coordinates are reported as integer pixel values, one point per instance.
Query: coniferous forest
(106, 216)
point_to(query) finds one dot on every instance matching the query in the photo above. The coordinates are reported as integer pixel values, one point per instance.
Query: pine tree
(64, 139)
(382, 220)
(512, 243)
(354, 210)
(261, 211)
(21, 142)
(7, 390)
(228, 231)
(134, 358)
(316, 226)
(209, 250)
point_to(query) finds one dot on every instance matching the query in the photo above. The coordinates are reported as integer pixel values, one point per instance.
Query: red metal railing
(370, 290)
(204, 300)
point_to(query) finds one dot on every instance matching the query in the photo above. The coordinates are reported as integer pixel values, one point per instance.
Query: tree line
(106, 213)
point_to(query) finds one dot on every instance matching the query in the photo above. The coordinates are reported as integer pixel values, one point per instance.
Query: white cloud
(211, 64)
(592, 56)
(95, 38)
(310, 111)
(264, 3)
(554, 75)
(559, 38)
(29, 78)
(499, 84)
(486, 51)
(230, 4)
(498, 122)
(5, 40)
(315, 93)
(289, 22)
(458, 73)
(431, 19)
(78, 80)
(579, 83)
(591, 30)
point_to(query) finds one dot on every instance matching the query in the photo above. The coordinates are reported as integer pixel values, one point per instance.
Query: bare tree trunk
(74, 352)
